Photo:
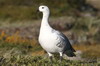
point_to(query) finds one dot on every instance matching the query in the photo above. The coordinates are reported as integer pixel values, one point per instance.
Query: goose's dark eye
(42, 7)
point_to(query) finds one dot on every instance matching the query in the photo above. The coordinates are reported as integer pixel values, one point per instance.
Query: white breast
(49, 41)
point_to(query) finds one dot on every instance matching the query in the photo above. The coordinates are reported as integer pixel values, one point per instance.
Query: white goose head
(44, 9)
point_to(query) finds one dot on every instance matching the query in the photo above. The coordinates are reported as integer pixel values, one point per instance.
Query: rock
(94, 3)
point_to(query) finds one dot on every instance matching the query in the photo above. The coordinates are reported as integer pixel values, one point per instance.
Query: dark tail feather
(73, 50)
(70, 53)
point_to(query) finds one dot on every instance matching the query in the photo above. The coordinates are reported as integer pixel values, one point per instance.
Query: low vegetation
(40, 61)
(28, 55)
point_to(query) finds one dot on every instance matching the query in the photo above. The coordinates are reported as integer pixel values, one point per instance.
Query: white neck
(45, 24)
(45, 19)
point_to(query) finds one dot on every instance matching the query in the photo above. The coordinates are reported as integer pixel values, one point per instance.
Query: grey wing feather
(68, 45)
(68, 50)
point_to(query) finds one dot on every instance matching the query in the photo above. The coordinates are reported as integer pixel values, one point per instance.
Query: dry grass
(16, 38)
(36, 53)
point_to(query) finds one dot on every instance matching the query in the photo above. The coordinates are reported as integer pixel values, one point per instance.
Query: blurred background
(79, 20)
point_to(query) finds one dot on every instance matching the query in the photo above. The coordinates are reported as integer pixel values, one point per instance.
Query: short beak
(37, 10)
